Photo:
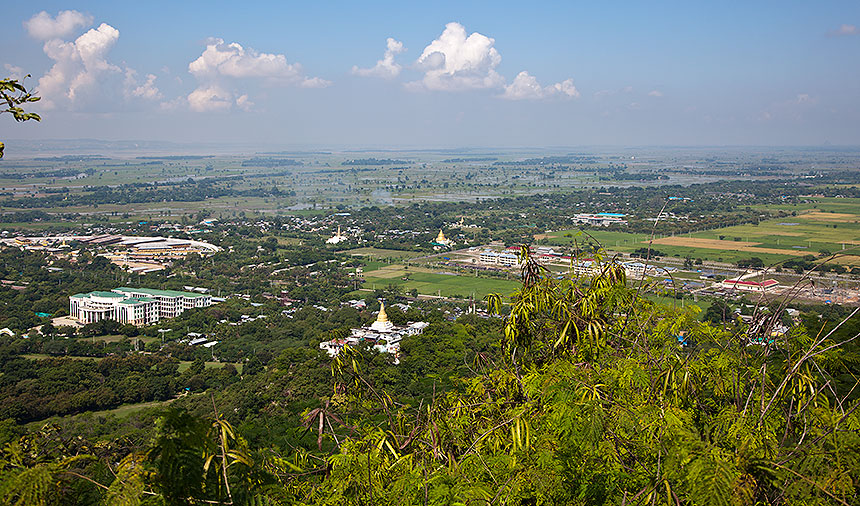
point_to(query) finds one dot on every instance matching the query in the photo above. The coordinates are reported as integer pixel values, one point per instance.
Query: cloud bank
(526, 87)
(79, 67)
(81, 75)
(43, 27)
(221, 67)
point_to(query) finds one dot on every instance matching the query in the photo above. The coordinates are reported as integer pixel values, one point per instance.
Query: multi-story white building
(634, 269)
(600, 219)
(488, 257)
(587, 267)
(505, 259)
(171, 302)
(137, 306)
(751, 286)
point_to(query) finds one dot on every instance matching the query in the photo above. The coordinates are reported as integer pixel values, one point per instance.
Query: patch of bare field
(787, 234)
(745, 246)
(838, 217)
(388, 272)
(698, 242)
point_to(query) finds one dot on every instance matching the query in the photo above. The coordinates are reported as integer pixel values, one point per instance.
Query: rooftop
(111, 295)
(156, 293)
(769, 282)
(136, 300)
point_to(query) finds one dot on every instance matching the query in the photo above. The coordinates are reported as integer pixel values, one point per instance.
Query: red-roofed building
(751, 286)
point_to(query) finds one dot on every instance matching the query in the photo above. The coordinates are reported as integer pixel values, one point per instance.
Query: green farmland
(833, 226)
(435, 283)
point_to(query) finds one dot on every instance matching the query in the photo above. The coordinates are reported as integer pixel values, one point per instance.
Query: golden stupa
(382, 324)
(442, 240)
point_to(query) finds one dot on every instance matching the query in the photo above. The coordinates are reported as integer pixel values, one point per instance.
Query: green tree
(15, 95)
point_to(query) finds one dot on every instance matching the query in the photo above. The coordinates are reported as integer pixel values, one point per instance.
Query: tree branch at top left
(14, 94)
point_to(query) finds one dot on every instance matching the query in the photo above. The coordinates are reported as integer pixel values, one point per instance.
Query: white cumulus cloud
(147, 90)
(44, 27)
(655, 93)
(456, 61)
(526, 87)
(78, 68)
(210, 98)
(232, 60)
(386, 67)
(221, 65)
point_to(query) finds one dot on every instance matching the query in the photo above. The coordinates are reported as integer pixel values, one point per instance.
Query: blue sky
(452, 73)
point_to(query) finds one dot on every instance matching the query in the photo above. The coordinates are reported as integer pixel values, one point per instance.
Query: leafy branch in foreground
(14, 94)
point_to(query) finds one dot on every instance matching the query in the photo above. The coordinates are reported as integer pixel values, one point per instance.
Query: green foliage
(14, 94)
(588, 398)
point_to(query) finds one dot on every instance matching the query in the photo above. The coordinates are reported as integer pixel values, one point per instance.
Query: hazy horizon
(21, 148)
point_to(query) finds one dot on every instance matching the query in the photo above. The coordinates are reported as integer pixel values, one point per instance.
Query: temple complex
(382, 334)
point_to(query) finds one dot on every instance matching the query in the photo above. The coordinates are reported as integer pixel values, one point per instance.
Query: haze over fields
(400, 75)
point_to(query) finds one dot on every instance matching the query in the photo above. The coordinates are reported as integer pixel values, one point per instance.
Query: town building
(137, 306)
(134, 253)
(504, 259)
(586, 267)
(600, 219)
(751, 286)
(382, 334)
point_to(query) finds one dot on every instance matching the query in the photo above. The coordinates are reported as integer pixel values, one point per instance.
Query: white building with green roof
(137, 306)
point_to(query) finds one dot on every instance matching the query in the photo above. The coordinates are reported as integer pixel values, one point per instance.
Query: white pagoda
(338, 237)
